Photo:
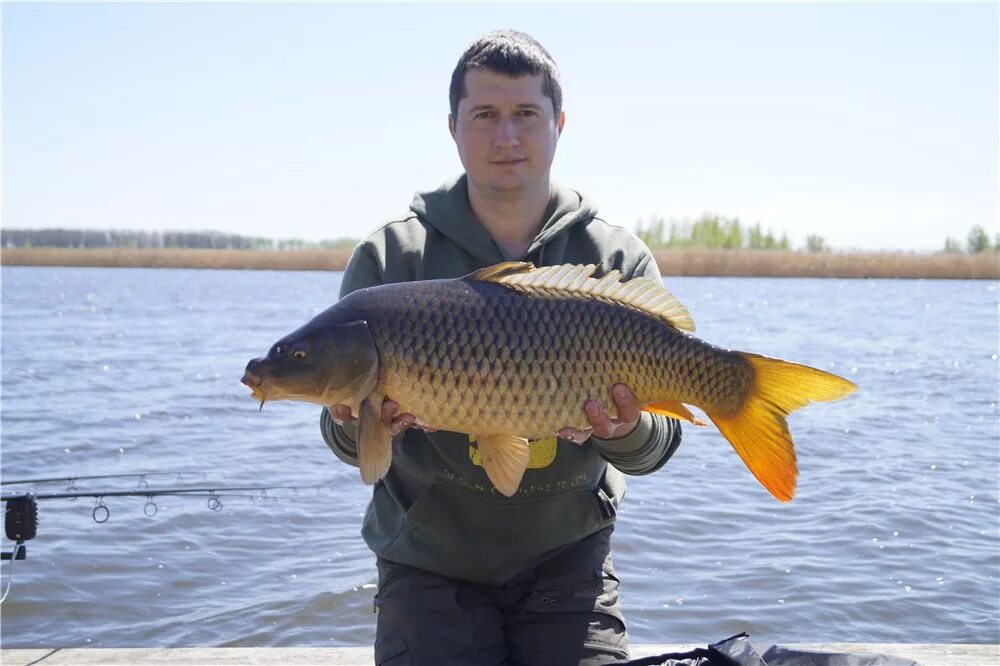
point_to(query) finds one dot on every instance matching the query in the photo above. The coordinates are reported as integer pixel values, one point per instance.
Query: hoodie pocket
(486, 540)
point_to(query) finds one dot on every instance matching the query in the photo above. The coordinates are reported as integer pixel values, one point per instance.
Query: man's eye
(482, 115)
(528, 112)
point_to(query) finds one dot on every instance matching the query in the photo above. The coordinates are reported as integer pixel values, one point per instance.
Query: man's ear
(560, 122)
(451, 125)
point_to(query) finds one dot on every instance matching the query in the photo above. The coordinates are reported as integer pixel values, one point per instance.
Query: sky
(873, 125)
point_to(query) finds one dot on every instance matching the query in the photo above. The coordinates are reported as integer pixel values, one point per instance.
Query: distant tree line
(718, 232)
(715, 232)
(96, 238)
(976, 241)
(707, 232)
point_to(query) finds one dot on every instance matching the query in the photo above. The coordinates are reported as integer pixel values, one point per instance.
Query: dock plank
(929, 654)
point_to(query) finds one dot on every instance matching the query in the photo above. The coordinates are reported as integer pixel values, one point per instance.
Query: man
(466, 575)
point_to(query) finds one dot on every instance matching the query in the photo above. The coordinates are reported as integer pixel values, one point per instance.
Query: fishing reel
(20, 524)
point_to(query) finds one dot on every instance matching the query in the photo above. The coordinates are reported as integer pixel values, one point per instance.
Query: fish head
(325, 364)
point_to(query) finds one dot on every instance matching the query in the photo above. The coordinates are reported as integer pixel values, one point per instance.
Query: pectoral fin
(674, 409)
(505, 458)
(374, 441)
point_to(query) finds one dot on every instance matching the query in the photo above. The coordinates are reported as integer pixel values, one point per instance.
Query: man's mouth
(507, 161)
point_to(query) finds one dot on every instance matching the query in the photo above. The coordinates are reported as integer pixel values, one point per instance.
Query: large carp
(513, 352)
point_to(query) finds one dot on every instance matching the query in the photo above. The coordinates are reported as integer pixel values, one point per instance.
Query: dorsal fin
(571, 280)
(496, 271)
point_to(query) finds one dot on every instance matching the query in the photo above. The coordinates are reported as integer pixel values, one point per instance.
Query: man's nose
(507, 134)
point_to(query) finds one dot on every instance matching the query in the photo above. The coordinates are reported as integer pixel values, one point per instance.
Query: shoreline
(693, 263)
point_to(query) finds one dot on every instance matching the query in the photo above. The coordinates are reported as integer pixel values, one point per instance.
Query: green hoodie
(435, 509)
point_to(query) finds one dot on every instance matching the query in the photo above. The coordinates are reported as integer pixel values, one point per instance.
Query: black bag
(739, 651)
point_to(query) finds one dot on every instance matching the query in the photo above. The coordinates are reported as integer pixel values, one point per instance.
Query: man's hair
(508, 52)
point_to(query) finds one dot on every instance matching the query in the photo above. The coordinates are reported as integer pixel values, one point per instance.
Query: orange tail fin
(758, 430)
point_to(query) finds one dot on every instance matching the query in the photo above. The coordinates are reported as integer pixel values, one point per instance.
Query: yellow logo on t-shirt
(543, 452)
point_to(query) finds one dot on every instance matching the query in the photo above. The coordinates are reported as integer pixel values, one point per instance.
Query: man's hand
(395, 423)
(601, 424)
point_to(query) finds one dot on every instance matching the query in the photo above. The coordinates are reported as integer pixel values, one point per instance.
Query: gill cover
(355, 370)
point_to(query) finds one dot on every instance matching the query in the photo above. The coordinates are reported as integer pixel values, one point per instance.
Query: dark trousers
(563, 611)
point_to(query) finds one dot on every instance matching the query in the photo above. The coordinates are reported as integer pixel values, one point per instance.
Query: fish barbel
(513, 352)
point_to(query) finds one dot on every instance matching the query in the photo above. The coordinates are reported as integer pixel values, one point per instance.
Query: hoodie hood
(447, 209)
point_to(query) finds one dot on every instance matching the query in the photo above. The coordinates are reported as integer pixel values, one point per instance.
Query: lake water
(894, 535)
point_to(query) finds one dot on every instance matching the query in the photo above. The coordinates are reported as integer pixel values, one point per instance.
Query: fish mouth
(256, 386)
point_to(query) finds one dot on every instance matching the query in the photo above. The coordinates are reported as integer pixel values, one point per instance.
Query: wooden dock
(924, 654)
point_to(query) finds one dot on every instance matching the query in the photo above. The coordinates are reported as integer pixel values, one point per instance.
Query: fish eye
(298, 354)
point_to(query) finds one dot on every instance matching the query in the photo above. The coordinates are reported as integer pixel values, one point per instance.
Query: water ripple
(895, 531)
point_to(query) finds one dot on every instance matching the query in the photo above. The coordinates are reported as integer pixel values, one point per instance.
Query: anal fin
(374, 441)
(504, 457)
(674, 409)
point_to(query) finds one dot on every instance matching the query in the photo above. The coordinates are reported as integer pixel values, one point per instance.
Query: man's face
(506, 132)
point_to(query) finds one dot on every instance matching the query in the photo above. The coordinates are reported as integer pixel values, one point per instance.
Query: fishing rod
(71, 480)
(21, 508)
(21, 512)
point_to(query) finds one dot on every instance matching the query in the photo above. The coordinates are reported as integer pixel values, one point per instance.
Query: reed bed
(784, 263)
(736, 263)
(284, 260)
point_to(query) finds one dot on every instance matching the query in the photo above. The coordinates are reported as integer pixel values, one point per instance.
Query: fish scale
(589, 344)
